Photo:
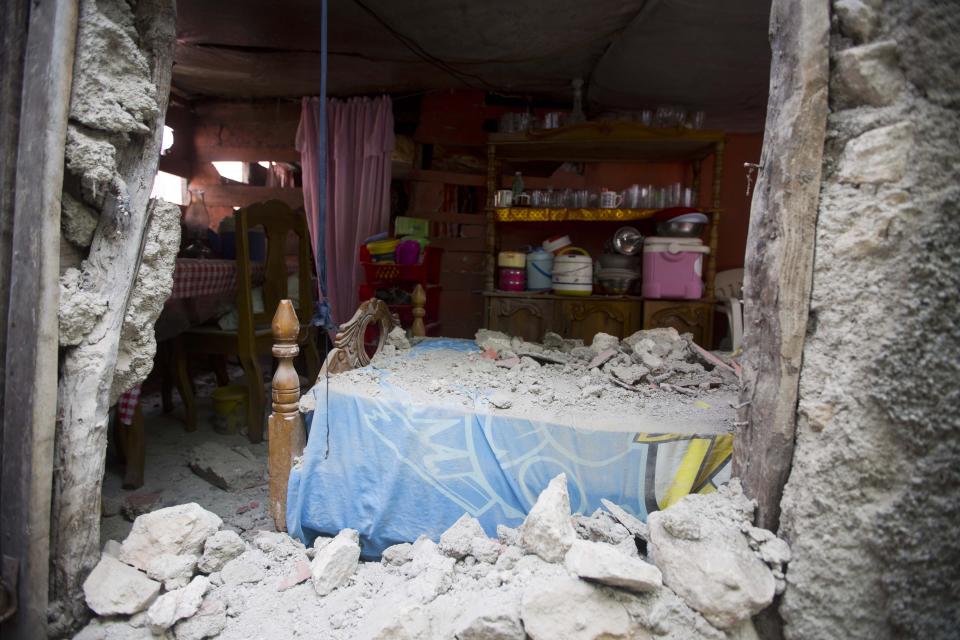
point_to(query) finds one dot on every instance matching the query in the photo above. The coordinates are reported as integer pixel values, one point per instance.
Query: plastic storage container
(427, 272)
(573, 272)
(512, 279)
(673, 268)
(539, 270)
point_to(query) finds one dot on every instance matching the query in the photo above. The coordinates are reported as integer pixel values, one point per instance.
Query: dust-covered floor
(168, 478)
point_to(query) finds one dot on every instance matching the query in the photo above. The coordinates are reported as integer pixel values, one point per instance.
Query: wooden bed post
(419, 299)
(287, 434)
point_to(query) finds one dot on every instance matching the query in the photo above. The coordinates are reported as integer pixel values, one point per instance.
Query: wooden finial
(287, 435)
(419, 299)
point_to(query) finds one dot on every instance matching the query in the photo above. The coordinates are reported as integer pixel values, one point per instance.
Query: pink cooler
(673, 268)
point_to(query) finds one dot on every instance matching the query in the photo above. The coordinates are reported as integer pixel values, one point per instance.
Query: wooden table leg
(134, 448)
(167, 375)
(185, 385)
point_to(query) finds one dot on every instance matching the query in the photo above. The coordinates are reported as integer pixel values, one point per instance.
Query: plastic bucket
(539, 270)
(573, 272)
(229, 408)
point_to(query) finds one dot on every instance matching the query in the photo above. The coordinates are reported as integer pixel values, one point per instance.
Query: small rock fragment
(173, 571)
(603, 563)
(398, 554)
(209, 620)
(398, 338)
(500, 400)
(456, 541)
(336, 562)
(219, 549)
(547, 530)
(247, 567)
(633, 524)
(177, 604)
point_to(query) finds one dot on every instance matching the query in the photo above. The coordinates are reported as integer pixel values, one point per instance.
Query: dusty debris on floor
(658, 377)
(223, 473)
(556, 576)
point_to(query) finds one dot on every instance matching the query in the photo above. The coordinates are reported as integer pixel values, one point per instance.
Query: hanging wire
(425, 55)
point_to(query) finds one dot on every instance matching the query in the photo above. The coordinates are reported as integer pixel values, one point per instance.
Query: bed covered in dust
(405, 446)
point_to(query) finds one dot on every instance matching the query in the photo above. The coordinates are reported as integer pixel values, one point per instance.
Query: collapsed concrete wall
(127, 244)
(875, 488)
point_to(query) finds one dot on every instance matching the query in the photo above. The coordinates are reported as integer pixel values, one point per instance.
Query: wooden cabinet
(693, 316)
(531, 316)
(522, 317)
(584, 319)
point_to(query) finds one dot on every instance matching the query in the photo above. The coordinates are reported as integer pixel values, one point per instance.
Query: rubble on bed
(659, 376)
(557, 576)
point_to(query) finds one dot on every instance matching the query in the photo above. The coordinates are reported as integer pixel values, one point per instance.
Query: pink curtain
(359, 143)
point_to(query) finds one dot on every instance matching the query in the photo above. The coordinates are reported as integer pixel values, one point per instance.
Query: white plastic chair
(728, 286)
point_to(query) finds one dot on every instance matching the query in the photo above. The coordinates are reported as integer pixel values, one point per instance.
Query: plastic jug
(539, 270)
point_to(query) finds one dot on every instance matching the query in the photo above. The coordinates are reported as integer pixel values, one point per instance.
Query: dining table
(202, 288)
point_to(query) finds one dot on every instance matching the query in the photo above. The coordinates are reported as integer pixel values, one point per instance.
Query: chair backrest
(728, 284)
(278, 221)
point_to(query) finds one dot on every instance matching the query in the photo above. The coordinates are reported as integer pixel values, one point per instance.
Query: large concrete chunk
(114, 588)
(607, 564)
(336, 562)
(219, 549)
(229, 469)
(867, 75)
(547, 530)
(174, 530)
(879, 155)
(573, 610)
(708, 562)
(177, 604)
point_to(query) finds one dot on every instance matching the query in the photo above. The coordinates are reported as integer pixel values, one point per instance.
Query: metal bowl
(681, 229)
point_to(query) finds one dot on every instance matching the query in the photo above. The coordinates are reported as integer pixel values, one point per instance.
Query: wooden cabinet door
(584, 319)
(685, 317)
(528, 319)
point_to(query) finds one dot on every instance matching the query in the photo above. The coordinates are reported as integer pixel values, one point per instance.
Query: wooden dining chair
(253, 337)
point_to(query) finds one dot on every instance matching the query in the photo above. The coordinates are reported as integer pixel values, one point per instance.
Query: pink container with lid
(512, 279)
(673, 268)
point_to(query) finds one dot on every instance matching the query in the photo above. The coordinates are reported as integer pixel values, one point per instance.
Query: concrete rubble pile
(698, 571)
(642, 362)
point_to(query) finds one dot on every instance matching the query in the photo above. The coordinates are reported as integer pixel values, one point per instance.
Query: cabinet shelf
(607, 141)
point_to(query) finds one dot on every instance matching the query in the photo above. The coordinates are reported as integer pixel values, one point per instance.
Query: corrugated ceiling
(710, 54)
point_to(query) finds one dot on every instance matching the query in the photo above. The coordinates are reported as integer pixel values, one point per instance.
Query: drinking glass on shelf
(674, 192)
(538, 198)
(698, 118)
(581, 198)
(631, 197)
(646, 117)
(688, 197)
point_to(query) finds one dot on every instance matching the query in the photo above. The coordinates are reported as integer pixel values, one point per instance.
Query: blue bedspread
(394, 470)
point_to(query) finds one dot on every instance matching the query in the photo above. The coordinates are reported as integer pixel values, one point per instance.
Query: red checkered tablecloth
(193, 278)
